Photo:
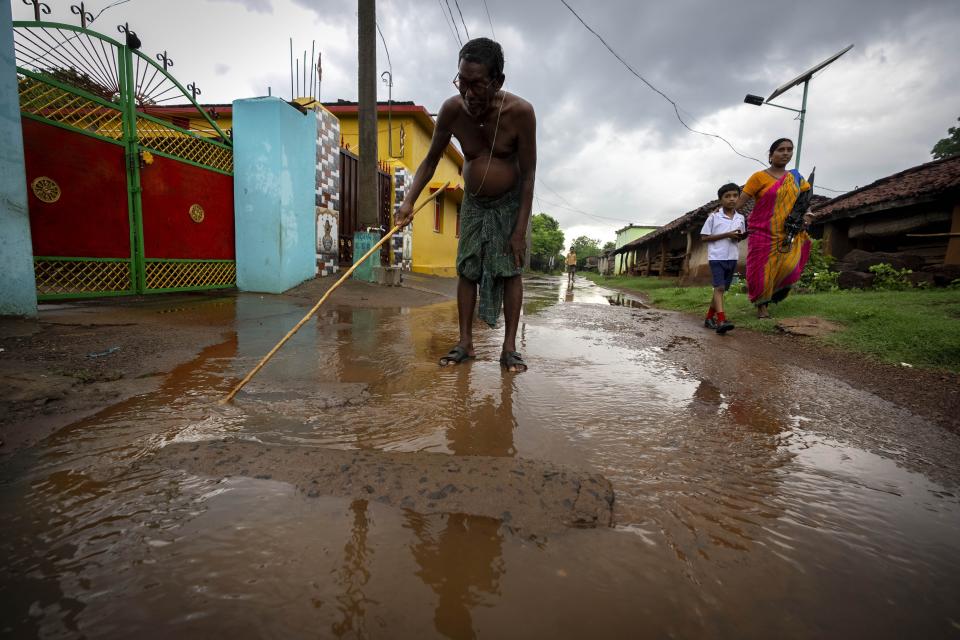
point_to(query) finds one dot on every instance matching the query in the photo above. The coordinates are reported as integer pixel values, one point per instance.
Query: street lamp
(804, 78)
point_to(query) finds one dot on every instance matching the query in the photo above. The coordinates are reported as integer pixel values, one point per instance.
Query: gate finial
(167, 62)
(194, 89)
(37, 8)
(85, 16)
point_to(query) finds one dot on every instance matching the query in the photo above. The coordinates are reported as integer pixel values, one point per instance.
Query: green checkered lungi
(483, 253)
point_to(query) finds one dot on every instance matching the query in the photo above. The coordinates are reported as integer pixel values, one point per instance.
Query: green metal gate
(123, 198)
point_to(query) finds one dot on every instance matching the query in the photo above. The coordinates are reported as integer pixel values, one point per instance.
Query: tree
(585, 247)
(949, 146)
(547, 241)
(610, 246)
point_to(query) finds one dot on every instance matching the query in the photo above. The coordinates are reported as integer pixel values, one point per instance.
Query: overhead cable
(456, 2)
(487, 9)
(454, 20)
(676, 108)
(446, 19)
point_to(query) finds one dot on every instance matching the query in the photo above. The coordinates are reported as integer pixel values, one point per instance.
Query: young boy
(722, 231)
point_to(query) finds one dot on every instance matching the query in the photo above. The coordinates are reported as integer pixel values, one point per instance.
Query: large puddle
(754, 499)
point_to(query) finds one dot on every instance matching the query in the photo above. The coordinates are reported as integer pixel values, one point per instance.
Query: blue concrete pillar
(274, 182)
(18, 290)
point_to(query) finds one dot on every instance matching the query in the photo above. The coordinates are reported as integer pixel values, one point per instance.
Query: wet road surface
(753, 498)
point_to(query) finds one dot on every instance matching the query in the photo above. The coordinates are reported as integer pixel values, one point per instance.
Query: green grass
(919, 327)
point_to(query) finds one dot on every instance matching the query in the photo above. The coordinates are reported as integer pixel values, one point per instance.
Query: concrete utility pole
(368, 210)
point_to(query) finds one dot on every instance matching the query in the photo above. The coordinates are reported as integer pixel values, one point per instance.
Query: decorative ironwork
(45, 189)
(70, 56)
(196, 213)
(187, 275)
(85, 16)
(194, 90)
(171, 141)
(58, 105)
(165, 60)
(59, 277)
(37, 8)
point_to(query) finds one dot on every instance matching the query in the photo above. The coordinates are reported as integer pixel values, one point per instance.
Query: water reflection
(462, 564)
(623, 300)
(353, 576)
(480, 425)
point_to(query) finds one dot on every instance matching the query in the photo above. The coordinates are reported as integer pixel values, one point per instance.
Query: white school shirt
(717, 222)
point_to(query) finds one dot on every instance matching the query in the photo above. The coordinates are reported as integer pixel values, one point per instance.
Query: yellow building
(405, 130)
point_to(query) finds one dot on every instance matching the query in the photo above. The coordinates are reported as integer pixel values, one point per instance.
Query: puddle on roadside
(728, 504)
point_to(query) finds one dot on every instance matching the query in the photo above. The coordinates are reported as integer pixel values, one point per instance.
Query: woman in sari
(772, 269)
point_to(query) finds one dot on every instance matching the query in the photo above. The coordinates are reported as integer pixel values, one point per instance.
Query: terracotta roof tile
(922, 182)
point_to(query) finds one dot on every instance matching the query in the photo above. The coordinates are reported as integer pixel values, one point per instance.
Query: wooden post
(648, 261)
(685, 269)
(953, 244)
(368, 193)
(663, 257)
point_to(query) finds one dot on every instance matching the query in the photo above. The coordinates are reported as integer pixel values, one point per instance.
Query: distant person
(497, 132)
(571, 265)
(723, 229)
(770, 271)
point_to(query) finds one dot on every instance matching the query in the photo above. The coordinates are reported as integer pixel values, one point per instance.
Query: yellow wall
(433, 253)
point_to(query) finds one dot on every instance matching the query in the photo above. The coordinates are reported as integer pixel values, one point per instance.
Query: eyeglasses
(476, 86)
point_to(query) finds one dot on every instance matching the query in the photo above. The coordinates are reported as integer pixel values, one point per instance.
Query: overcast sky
(608, 145)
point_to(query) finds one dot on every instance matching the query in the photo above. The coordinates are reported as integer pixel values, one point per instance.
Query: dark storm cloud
(706, 57)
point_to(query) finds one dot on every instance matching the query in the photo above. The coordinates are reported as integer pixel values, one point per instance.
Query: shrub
(889, 278)
(817, 275)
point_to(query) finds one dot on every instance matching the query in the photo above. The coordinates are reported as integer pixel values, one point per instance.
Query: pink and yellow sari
(770, 271)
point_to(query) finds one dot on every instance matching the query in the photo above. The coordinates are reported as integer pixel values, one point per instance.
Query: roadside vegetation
(892, 322)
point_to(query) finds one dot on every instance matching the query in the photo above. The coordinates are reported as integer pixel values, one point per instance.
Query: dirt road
(644, 478)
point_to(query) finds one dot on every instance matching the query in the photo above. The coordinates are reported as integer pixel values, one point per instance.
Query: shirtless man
(497, 133)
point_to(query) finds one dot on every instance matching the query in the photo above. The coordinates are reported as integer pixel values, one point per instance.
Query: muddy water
(753, 498)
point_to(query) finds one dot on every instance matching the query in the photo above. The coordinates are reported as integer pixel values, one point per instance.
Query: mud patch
(323, 397)
(531, 497)
(808, 326)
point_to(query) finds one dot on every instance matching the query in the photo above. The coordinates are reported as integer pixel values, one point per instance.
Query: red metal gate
(124, 200)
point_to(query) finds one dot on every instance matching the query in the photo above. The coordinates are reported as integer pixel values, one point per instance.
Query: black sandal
(455, 356)
(513, 359)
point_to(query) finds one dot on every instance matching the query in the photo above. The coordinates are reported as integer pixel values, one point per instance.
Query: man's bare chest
(478, 138)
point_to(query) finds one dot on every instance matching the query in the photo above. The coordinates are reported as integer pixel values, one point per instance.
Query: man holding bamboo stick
(497, 133)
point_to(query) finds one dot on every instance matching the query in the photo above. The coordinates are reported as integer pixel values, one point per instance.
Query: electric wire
(109, 6)
(676, 108)
(384, 41)
(592, 215)
(446, 19)
(465, 30)
(487, 9)
(454, 20)
(589, 215)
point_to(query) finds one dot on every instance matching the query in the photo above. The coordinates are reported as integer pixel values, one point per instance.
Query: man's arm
(439, 142)
(527, 160)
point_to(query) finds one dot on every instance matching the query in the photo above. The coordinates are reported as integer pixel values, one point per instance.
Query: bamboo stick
(323, 299)
(948, 234)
